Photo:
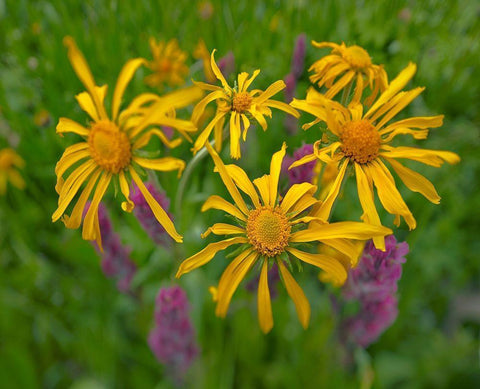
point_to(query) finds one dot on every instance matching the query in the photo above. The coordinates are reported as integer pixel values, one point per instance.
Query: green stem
(346, 93)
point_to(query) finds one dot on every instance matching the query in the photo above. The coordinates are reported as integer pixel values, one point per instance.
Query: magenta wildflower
(373, 283)
(116, 262)
(226, 64)
(173, 338)
(298, 57)
(145, 216)
(299, 174)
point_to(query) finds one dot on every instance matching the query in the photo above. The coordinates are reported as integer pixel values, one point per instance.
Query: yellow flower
(269, 231)
(354, 65)
(241, 104)
(110, 149)
(362, 141)
(201, 52)
(168, 64)
(9, 162)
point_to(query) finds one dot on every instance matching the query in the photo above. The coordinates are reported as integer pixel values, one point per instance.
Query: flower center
(357, 57)
(360, 141)
(109, 146)
(241, 101)
(268, 230)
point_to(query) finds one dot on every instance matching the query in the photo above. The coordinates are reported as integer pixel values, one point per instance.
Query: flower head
(271, 230)
(240, 104)
(362, 141)
(109, 150)
(354, 65)
(10, 161)
(168, 64)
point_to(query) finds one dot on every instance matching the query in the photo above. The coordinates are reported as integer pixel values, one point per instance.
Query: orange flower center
(241, 101)
(357, 57)
(360, 141)
(268, 230)
(109, 146)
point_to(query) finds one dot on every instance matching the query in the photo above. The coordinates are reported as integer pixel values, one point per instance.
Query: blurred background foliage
(63, 324)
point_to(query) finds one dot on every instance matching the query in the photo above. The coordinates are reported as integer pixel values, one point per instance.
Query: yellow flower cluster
(268, 229)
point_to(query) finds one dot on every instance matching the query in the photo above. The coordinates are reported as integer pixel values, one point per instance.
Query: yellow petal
(348, 230)
(68, 161)
(157, 210)
(283, 107)
(90, 231)
(302, 161)
(82, 70)
(217, 71)
(235, 133)
(145, 138)
(395, 86)
(295, 193)
(250, 80)
(127, 205)
(258, 117)
(204, 256)
(243, 183)
(365, 194)
(402, 102)
(301, 205)
(67, 125)
(388, 194)
(217, 202)
(296, 294)
(415, 122)
(415, 181)
(204, 135)
(275, 167)
(326, 208)
(124, 79)
(75, 219)
(346, 247)
(231, 278)
(429, 157)
(264, 305)
(273, 89)
(227, 180)
(327, 263)
(340, 84)
(223, 229)
(165, 164)
(202, 104)
(263, 185)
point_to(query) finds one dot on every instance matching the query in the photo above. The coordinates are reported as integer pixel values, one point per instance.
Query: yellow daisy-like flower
(110, 149)
(354, 65)
(168, 64)
(241, 104)
(271, 230)
(362, 141)
(10, 161)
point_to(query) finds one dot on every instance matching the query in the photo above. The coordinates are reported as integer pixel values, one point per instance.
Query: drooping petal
(231, 278)
(296, 294)
(217, 202)
(127, 205)
(124, 79)
(202, 104)
(90, 231)
(389, 196)
(204, 256)
(415, 181)
(327, 263)
(365, 194)
(217, 71)
(204, 135)
(157, 210)
(326, 208)
(235, 133)
(264, 304)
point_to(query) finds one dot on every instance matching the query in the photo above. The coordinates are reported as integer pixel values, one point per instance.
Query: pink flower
(173, 338)
(299, 174)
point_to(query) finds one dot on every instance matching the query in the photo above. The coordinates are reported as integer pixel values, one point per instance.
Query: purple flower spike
(373, 283)
(116, 262)
(145, 216)
(173, 338)
(299, 174)
(226, 64)
(298, 58)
